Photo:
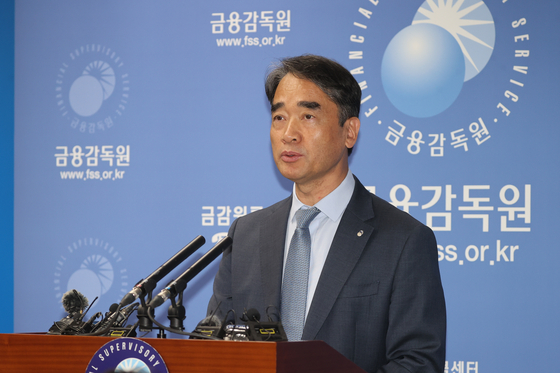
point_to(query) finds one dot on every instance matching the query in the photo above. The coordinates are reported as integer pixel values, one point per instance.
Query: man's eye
(309, 116)
(277, 117)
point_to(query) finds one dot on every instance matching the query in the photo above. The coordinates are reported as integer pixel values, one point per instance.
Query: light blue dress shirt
(322, 229)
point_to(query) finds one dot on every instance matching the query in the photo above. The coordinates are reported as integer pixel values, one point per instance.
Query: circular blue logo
(425, 64)
(127, 355)
(423, 70)
(95, 268)
(92, 88)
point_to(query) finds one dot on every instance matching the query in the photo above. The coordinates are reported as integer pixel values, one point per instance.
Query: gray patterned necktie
(294, 286)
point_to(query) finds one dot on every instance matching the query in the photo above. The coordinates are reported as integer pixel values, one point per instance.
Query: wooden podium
(65, 353)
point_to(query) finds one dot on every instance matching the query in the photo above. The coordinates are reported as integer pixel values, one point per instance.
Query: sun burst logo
(432, 82)
(93, 267)
(92, 90)
(425, 65)
(477, 32)
(132, 365)
(89, 90)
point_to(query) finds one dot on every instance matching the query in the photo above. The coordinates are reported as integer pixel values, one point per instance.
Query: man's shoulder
(267, 211)
(272, 217)
(385, 211)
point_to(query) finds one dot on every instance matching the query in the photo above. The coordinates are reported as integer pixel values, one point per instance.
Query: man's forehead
(291, 85)
(293, 80)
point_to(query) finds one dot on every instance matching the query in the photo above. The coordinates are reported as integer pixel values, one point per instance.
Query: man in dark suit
(373, 290)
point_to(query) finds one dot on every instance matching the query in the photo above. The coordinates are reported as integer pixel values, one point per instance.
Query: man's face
(308, 144)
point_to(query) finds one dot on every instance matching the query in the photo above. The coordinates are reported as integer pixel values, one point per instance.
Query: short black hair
(330, 76)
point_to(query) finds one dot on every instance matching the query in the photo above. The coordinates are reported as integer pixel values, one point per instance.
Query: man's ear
(352, 129)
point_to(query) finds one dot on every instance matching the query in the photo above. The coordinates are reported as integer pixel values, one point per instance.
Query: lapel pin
(360, 233)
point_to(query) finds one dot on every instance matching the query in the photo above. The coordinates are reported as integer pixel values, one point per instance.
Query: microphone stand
(194, 335)
(174, 290)
(145, 314)
(176, 312)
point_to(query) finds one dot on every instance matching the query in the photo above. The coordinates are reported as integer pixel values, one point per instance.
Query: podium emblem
(127, 355)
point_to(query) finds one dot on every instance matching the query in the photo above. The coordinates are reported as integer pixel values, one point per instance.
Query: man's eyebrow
(313, 105)
(309, 105)
(276, 106)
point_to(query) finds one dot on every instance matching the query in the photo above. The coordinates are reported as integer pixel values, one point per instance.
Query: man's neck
(311, 193)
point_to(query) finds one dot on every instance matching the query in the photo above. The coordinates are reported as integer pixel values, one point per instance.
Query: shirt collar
(334, 204)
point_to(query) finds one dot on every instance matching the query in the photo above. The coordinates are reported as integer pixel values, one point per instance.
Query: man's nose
(292, 131)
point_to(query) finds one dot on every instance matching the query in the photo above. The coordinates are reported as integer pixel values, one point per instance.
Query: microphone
(145, 286)
(264, 331)
(124, 313)
(210, 326)
(211, 320)
(121, 316)
(88, 325)
(74, 302)
(275, 314)
(178, 285)
(253, 315)
(115, 318)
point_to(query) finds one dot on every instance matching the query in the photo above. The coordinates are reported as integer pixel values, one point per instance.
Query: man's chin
(290, 175)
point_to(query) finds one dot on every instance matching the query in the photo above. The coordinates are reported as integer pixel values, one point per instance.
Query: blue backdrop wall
(139, 125)
(7, 163)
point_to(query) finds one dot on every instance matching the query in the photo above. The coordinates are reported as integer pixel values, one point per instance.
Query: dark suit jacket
(379, 300)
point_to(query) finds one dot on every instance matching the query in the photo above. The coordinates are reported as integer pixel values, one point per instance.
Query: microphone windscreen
(253, 315)
(114, 307)
(73, 301)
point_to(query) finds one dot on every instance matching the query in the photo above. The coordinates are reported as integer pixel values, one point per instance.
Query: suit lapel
(272, 238)
(351, 237)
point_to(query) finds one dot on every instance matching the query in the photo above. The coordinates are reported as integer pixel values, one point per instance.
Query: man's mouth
(289, 156)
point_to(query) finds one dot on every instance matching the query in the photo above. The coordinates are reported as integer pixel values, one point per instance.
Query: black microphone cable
(170, 330)
(110, 321)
